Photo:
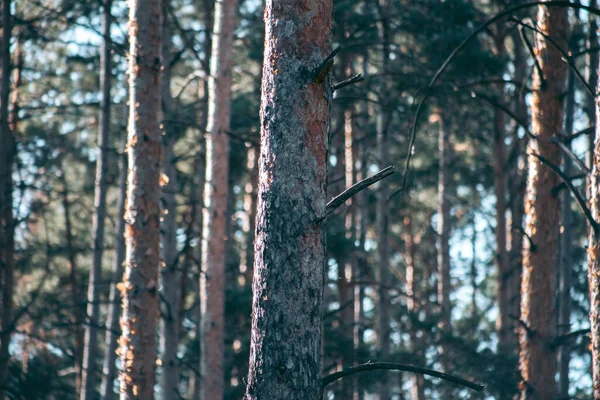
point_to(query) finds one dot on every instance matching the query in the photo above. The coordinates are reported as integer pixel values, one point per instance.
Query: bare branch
(357, 187)
(578, 198)
(356, 78)
(373, 366)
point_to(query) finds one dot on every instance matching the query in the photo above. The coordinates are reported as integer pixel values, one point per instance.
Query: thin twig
(570, 154)
(567, 57)
(578, 198)
(536, 62)
(357, 187)
(356, 78)
(373, 366)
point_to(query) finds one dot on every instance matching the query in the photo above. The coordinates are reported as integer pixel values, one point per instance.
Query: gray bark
(290, 241)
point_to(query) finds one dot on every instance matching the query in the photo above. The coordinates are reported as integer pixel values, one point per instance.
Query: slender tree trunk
(443, 228)
(7, 225)
(517, 184)
(592, 78)
(109, 370)
(250, 193)
(78, 317)
(290, 242)
(90, 352)
(538, 306)
(382, 322)
(143, 211)
(418, 382)
(361, 271)
(565, 273)
(216, 189)
(170, 275)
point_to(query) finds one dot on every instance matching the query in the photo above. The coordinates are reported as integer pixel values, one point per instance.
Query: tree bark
(538, 307)
(90, 349)
(290, 242)
(143, 212)
(7, 224)
(109, 370)
(592, 78)
(216, 187)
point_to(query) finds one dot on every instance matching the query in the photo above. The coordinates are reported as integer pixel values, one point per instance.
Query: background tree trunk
(382, 322)
(290, 242)
(90, 350)
(443, 228)
(170, 271)
(538, 307)
(114, 307)
(143, 212)
(212, 281)
(7, 224)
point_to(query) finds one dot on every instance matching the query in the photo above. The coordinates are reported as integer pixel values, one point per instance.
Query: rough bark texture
(443, 228)
(538, 304)
(7, 152)
(565, 265)
(170, 273)
(290, 239)
(143, 212)
(212, 282)
(382, 321)
(109, 370)
(594, 264)
(90, 352)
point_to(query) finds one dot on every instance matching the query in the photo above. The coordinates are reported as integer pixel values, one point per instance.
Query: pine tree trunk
(516, 187)
(538, 303)
(7, 224)
(503, 323)
(443, 228)
(90, 350)
(216, 189)
(143, 211)
(170, 275)
(290, 242)
(109, 370)
(592, 78)
(382, 321)
(78, 317)
(412, 296)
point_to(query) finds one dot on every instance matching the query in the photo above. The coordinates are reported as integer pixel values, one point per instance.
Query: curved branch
(578, 198)
(371, 366)
(567, 57)
(536, 62)
(498, 17)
